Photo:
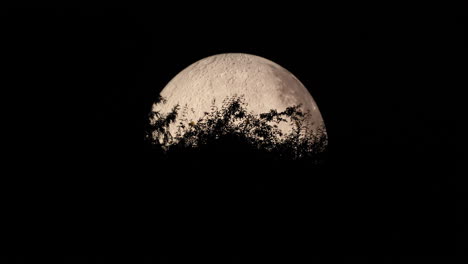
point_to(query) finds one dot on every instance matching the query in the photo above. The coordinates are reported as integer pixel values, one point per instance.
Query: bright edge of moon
(263, 84)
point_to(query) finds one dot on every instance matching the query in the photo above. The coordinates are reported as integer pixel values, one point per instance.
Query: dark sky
(383, 77)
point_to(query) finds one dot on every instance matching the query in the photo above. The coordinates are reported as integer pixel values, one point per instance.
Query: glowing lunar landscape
(263, 84)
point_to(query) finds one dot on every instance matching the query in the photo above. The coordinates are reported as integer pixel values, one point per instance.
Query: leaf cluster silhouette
(232, 133)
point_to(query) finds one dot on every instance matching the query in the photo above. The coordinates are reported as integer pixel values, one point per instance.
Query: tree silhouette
(237, 134)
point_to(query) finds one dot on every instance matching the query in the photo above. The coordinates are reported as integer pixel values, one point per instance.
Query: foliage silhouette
(232, 133)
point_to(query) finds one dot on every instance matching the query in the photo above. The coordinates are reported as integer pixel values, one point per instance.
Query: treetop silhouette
(232, 129)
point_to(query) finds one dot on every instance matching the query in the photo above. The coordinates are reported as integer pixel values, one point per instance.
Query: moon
(264, 85)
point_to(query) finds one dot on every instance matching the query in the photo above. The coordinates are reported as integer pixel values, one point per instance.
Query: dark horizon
(391, 186)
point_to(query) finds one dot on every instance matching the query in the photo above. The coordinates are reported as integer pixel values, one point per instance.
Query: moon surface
(264, 85)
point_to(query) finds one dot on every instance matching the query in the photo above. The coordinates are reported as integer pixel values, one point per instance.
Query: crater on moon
(264, 85)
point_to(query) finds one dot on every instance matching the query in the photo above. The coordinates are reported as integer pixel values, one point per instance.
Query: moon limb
(264, 84)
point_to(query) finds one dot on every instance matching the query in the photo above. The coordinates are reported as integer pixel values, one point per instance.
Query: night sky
(384, 79)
